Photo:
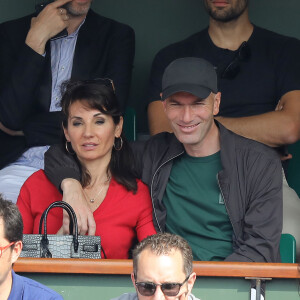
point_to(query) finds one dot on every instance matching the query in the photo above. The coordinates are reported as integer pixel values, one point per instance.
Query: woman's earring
(120, 142)
(68, 149)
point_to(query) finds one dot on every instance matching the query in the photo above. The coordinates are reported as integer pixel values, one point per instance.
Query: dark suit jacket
(104, 48)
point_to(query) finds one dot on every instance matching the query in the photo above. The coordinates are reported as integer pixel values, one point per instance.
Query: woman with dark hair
(121, 204)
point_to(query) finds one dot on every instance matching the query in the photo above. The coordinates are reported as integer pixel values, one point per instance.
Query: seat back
(287, 248)
(129, 126)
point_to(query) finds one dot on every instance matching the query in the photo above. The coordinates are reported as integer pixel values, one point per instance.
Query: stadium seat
(287, 248)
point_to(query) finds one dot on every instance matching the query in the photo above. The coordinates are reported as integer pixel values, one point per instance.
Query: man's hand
(73, 194)
(11, 132)
(50, 21)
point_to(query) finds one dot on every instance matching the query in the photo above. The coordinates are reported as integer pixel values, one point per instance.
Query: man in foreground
(13, 286)
(162, 269)
(220, 191)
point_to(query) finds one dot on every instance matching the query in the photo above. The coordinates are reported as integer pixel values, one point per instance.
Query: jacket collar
(228, 158)
(226, 138)
(174, 149)
(91, 26)
(227, 145)
(87, 50)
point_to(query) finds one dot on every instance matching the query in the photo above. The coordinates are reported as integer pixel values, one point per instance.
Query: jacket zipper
(152, 187)
(226, 205)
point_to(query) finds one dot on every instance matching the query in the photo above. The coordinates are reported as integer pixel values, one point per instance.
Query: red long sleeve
(120, 219)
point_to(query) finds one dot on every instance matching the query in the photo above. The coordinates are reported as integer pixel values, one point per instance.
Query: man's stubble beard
(227, 15)
(76, 12)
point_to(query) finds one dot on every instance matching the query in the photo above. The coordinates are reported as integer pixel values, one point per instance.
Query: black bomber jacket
(250, 182)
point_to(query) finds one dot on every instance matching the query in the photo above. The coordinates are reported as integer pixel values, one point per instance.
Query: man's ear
(191, 282)
(164, 103)
(133, 279)
(217, 101)
(16, 251)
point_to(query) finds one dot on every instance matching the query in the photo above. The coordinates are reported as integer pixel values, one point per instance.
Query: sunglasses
(169, 289)
(233, 68)
(2, 249)
(102, 81)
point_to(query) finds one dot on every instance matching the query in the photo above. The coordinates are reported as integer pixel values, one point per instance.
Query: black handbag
(61, 246)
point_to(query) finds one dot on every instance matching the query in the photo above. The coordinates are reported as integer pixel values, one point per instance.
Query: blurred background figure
(34, 62)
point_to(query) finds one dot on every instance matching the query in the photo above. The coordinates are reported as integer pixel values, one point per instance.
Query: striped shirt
(62, 53)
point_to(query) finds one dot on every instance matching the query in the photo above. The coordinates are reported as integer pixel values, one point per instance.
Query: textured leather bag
(61, 246)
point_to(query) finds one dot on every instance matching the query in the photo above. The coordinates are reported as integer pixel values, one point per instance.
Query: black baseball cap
(189, 74)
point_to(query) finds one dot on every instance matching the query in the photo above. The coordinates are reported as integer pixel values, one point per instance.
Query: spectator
(220, 191)
(13, 286)
(259, 78)
(121, 205)
(253, 76)
(162, 268)
(33, 64)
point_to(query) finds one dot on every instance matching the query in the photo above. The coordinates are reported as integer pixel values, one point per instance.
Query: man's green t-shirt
(195, 207)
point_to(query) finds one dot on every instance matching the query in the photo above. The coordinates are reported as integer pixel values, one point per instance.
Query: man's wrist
(68, 182)
(36, 42)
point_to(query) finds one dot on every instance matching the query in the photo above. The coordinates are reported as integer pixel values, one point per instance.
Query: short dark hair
(12, 220)
(163, 244)
(96, 94)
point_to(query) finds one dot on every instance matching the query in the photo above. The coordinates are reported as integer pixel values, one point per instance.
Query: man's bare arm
(157, 119)
(276, 128)
(10, 131)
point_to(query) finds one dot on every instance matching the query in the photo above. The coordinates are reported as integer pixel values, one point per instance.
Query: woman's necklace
(93, 199)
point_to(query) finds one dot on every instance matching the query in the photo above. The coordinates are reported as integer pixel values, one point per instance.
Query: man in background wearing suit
(34, 63)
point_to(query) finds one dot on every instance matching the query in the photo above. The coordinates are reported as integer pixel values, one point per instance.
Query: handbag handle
(72, 215)
(68, 211)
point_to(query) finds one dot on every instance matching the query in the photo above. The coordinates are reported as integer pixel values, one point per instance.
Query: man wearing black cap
(256, 68)
(220, 191)
(259, 78)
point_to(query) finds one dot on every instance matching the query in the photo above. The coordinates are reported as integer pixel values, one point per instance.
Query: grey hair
(163, 244)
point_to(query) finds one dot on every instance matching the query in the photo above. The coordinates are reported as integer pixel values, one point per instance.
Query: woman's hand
(73, 194)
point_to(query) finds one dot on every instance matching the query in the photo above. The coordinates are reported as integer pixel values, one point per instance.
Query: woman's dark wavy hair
(96, 94)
